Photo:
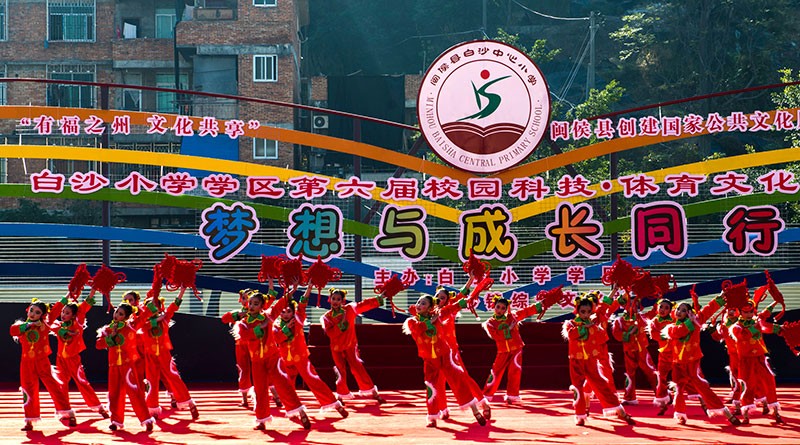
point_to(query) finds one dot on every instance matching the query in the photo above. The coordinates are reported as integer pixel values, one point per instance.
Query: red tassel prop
(391, 288)
(621, 274)
(184, 276)
(270, 267)
(292, 275)
(483, 285)
(776, 295)
(791, 334)
(665, 284)
(550, 297)
(695, 298)
(81, 278)
(320, 274)
(475, 267)
(736, 295)
(104, 281)
(155, 287)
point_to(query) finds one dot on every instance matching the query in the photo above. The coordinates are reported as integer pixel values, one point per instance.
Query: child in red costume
(69, 331)
(120, 340)
(684, 341)
(339, 324)
(442, 299)
(425, 327)
(290, 338)
(754, 370)
(630, 328)
(34, 366)
(604, 307)
(159, 363)
(585, 338)
(503, 328)
(136, 322)
(663, 318)
(245, 380)
(253, 328)
(721, 333)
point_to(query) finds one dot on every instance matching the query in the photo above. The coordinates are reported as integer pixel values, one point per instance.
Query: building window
(71, 21)
(3, 9)
(265, 68)
(3, 100)
(265, 2)
(265, 149)
(131, 97)
(64, 95)
(165, 23)
(166, 102)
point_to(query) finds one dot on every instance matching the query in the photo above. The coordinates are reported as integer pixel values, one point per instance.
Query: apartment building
(238, 47)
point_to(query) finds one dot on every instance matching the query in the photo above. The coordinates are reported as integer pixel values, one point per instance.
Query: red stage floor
(545, 417)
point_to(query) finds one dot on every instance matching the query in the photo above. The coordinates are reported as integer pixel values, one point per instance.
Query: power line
(548, 16)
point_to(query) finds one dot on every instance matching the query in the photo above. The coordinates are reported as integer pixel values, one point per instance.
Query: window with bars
(265, 68)
(265, 2)
(71, 21)
(167, 102)
(3, 73)
(3, 15)
(65, 95)
(265, 149)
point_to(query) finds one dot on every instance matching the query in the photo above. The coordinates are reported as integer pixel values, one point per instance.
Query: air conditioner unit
(319, 122)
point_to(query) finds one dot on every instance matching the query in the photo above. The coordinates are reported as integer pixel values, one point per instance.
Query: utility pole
(590, 69)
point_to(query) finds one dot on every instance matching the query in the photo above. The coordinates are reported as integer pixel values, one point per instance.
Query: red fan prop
(391, 288)
(550, 297)
(104, 281)
(292, 275)
(320, 274)
(180, 274)
(81, 278)
(791, 334)
(270, 267)
(773, 290)
(620, 275)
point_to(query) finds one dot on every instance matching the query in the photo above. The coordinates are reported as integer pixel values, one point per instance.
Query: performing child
(585, 338)
(339, 324)
(69, 331)
(684, 341)
(425, 327)
(290, 338)
(34, 366)
(120, 340)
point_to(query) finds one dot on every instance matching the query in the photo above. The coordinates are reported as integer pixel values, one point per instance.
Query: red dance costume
(684, 342)
(631, 330)
(293, 350)
(123, 377)
(754, 370)
(35, 365)
(504, 330)
(159, 363)
(70, 346)
(439, 359)
(340, 326)
(267, 367)
(587, 346)
(448, 319)
(722, 334)
(665, 356)
(605, 360)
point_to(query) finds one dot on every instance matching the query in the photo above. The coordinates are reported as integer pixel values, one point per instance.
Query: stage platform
(543, 417)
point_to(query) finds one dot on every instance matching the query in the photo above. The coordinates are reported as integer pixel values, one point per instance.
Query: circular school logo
(483, 106)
